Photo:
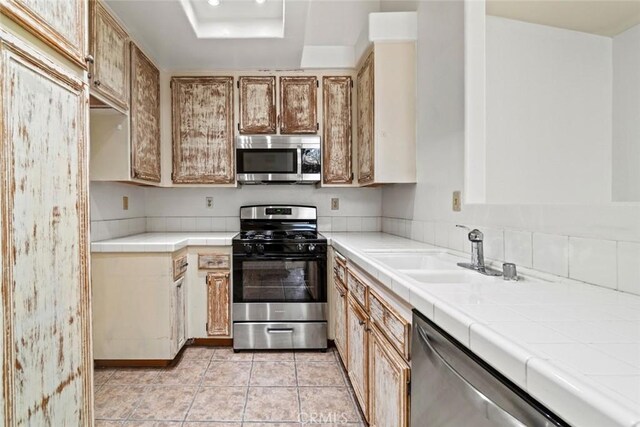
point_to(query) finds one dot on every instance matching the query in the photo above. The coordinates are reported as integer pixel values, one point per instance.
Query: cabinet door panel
(202, 110)
(340, 324)
(388, 382)
(45, 312)
(365, 87)
(60, 24)
(358, 348)
(219, 304)
(298, 105)
(257, 105)
(109, 45)
(336, 129)
(145, 117)
(179, 316)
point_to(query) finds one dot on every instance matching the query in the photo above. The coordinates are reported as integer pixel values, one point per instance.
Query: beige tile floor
(215, 387)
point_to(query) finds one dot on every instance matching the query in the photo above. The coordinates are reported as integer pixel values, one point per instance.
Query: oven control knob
(300, 247)
(248, 248)
(311, 247)
(260, 248)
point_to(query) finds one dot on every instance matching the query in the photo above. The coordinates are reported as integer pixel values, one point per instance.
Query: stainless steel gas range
(279, 279)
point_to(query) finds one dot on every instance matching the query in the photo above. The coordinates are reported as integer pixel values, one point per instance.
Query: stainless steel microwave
(278, 159)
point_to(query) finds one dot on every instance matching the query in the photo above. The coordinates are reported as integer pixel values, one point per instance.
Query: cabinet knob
(97, 83)
(88, 59)
(361, 322)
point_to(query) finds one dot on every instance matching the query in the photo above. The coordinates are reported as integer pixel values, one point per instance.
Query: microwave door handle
(299, 150)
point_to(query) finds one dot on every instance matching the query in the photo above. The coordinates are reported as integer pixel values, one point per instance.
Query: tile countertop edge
(162, 242)
(516, 362)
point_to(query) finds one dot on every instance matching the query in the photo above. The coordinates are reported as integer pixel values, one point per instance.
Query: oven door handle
(280, 330)
(280, 258)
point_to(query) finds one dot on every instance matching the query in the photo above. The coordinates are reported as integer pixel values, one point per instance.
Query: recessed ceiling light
(214, 2)
(260, 1)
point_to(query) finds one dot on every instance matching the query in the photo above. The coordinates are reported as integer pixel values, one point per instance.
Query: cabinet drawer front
(390, 323)
(340, 268)
(213, 261)
(357, 288)
(179, 267)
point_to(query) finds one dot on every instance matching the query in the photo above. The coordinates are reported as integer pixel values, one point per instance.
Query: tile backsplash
(607, 263)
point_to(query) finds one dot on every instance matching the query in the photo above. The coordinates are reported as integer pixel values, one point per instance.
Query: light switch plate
(335, 204)
(209, 202)
(457, 201)
(125, 203)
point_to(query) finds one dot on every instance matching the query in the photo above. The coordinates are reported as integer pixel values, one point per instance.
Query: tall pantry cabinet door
(109, 46)
(389, 384)
(60, 24)
(45, 311)
(219, 304)
(202, 114)
(336, 129)
(257, 105)
(358, 350)
(365, 87)
(298, 106)
(145, 117)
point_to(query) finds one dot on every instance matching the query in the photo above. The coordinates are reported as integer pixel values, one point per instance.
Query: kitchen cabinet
(298, 105)
(219, 304)
(386, 114)
(388, 383)
(358, 350)
(202, 117)
(340, 319)
(45, 310)
(109, 47)
(257, 105)
(336, 129)
(179, 315)
(145, 117)
(60, 24)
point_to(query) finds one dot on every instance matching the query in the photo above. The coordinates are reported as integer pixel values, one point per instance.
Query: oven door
(257, 165)
(289, 288)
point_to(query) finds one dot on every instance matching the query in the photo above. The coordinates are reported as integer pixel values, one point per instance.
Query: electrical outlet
(457, 201)
(125, 203)
(209, 202)
(335, 204)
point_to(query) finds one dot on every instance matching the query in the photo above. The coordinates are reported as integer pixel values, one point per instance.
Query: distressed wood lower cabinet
(109, 46)
(336, 130)
(257, 105)
(202, 115)
(388, 383)
(145, 117)
(219, 304)
(298, 105)
(358, 350)
(340, 320)
(45, 312)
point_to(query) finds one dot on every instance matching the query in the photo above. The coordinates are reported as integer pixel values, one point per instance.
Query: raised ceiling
(605, 18)
(209, 38)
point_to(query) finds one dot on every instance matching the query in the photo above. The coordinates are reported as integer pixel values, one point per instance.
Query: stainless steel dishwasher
(452, 387)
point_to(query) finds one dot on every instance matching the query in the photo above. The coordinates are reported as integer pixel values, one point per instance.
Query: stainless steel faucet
(477, 253)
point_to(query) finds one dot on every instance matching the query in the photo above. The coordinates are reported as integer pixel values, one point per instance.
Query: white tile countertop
(162, 242)
(575, 347)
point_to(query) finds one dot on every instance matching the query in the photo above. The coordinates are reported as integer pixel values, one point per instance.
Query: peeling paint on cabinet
(358, 352)
(365, 87)
(145, 117)
(336, 129)
(257, 105)
(46, 353)
(60, 24)
(109, 45)
(298, 105)
(202, 114)
(219, 304)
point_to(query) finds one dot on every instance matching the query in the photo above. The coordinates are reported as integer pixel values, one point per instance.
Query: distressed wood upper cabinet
(145, 117)
(109, 46)
(257, 105)
(357, 350)
(386, 114)
(45, 312)
(219, 304)
(298, 105)
(336, 129)
(60, 24)
(388, 384)
(202, 115)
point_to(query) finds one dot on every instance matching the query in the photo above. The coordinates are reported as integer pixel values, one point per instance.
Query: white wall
(548, 114)
(626, 115)
(594, 243)
(108, 218)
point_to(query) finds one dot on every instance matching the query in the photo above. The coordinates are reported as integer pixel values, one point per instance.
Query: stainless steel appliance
(278, 159)
(452, 387)
(279, 279)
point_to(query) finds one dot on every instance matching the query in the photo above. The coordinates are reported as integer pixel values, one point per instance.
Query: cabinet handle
(342, 294)
(361, 322)
(89, 59)
(97, 83)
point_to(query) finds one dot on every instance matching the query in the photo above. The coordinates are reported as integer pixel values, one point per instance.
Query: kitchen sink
(450, 276)
(416, 261)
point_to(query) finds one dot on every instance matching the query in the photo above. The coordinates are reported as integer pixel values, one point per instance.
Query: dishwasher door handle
(493, 412)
